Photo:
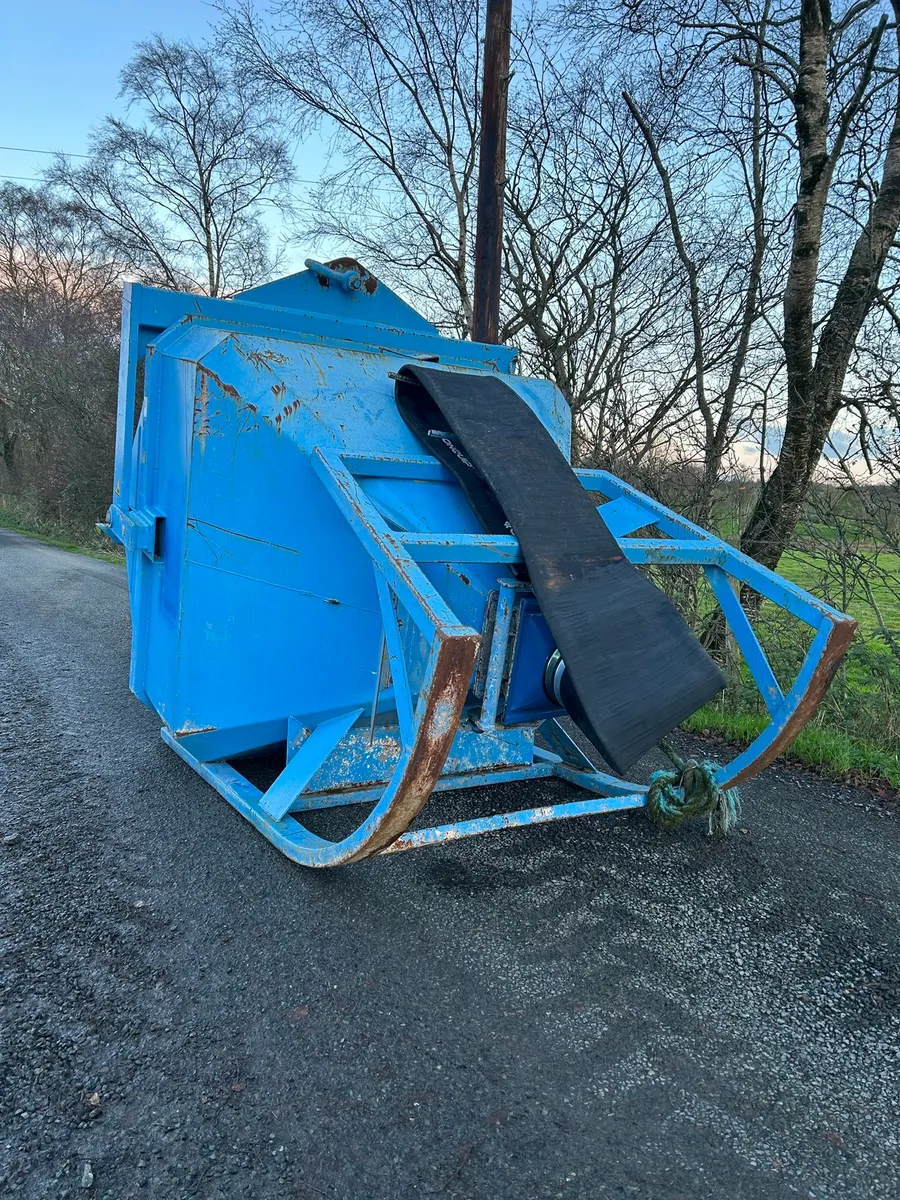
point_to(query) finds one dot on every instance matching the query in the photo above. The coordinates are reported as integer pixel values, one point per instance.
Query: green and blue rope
(691, 790)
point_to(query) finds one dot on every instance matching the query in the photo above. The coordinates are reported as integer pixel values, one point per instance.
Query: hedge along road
(589, 1009)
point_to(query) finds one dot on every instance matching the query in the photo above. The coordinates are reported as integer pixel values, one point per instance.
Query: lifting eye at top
(347, 273)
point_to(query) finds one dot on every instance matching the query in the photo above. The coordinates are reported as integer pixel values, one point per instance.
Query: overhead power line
(32, 150)
(36, 179)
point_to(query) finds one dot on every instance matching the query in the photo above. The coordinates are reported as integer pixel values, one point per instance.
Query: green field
(810, 571)
(834, 751)
(856, 731)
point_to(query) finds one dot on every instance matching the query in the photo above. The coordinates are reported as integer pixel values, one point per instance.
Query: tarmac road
(589, 1009)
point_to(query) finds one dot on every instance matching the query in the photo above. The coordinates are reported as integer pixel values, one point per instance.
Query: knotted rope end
(691, 790)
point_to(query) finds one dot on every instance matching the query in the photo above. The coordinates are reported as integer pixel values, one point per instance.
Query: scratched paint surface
(279, 517)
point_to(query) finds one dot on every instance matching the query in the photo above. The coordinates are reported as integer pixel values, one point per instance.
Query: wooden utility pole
(491, 172)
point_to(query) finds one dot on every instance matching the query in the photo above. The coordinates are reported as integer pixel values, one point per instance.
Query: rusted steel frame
(501, 548)
(402, 694)
(769, 584)
(443, 694)
(834, 630)
(125, 421)
(834, 633)
(603, 785)
(444, 690)
(513, 820)
(506, 602)
(822, 661)
(491, 172)
(437, 716)
(745, 636)
(368, 794)
(396, 466)
(413, 589)
(322, 741)
(622, 517)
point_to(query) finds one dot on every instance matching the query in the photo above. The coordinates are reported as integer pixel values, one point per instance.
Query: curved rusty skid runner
(834, 630)
(437, 720)
(443, 694)
(627, 511)
(822, 661)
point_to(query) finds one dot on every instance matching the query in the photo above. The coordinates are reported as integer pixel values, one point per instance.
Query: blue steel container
(302, 575)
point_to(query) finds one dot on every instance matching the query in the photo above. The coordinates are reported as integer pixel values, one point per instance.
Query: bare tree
(825, 146)
(844, 66)
(177, 192)
(578, 247)
(577, 237)
(721, 324)
(59, 317)
(395, 82)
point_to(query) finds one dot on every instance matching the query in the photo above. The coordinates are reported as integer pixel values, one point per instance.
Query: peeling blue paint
(280, 520)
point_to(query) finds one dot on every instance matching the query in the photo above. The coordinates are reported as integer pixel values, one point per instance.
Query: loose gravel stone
(589, 1009)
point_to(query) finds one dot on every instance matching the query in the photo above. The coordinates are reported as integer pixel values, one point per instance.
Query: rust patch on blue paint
(259, 358)
(225, 388)
(289, 410)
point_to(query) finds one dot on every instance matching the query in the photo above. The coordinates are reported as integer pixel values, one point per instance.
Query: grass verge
(830, 751)
(80, 541)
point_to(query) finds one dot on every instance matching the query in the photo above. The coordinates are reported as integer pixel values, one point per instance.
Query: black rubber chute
(634, 669)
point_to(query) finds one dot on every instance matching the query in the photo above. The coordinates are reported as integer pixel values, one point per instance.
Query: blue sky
(60, 62)
(59, 71)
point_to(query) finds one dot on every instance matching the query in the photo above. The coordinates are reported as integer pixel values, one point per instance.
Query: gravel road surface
(589, 1009)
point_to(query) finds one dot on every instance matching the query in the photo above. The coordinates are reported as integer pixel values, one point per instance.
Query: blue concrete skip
(282, 525)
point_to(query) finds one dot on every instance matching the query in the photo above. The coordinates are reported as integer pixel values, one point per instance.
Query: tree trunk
(781, 499)
(815, 375)
(8, 451)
